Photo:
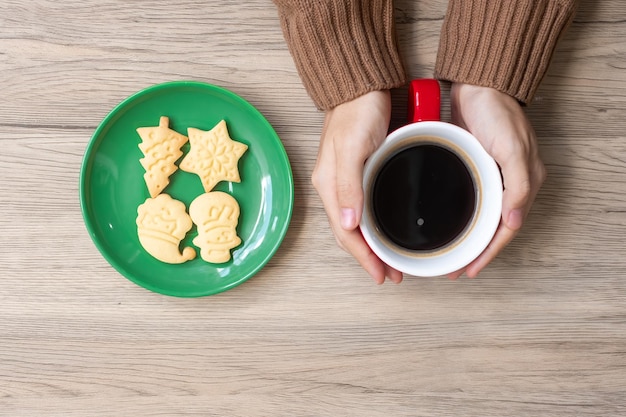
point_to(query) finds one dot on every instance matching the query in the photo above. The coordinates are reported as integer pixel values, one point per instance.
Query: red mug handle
(424, 100)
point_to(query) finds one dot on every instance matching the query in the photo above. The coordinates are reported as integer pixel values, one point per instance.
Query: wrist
(368, 97)
(461, 91)
(363, 107)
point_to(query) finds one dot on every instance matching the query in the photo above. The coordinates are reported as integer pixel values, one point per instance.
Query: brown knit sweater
(345, 48)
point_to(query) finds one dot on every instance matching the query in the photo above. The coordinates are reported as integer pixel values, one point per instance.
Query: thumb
(350, 187)
(517, 188)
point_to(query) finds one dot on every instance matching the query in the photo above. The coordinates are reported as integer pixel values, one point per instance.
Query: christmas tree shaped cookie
(213, 156)
(161, 148)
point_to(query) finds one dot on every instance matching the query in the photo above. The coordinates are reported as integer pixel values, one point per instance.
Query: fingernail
(348, 218)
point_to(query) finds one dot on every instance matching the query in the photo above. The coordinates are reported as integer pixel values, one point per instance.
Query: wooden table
(542, 332)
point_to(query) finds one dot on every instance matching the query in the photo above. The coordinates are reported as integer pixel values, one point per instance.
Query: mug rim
(474, 239)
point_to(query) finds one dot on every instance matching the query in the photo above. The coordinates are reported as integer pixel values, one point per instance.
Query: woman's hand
(500, 124)
(352, 132)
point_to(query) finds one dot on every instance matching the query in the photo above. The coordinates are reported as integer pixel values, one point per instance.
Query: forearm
(342, 48)
(502, 44)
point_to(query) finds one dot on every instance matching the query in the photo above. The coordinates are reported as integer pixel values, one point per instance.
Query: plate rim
(95, 141)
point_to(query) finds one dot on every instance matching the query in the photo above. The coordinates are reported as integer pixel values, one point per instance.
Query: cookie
(161, 148)
(216, 215)
(213, 156)
(162, 223)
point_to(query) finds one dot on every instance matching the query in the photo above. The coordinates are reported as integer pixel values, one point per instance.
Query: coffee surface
(423, 197)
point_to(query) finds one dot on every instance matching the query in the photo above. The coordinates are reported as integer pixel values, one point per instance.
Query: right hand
(352, 132)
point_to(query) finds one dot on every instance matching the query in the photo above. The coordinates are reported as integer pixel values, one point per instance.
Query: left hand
(498, 121)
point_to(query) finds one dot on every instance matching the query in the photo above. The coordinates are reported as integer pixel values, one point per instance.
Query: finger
(507, 230)
(352, 241)
(503, 236)
(350, 163)
(394, 275)
(517, 189)
(456, 274)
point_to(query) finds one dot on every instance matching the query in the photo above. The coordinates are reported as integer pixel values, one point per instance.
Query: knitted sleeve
(503, 44)
(342, 48)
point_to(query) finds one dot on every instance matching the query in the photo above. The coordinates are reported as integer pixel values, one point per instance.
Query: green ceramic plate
(112, 187)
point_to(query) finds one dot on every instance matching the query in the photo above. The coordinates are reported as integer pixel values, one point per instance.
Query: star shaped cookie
(213, 155)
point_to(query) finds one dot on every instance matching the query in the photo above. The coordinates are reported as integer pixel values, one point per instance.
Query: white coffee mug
(483, 197)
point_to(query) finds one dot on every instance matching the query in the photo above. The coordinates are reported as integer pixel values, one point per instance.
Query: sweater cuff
(507, 46)
(342, 49)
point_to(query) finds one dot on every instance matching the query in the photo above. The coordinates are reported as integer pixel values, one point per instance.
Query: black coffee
(423, 197)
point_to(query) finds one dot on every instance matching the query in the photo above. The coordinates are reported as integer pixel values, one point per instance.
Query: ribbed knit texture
(342, 48)
(345, 48)
(503, 44)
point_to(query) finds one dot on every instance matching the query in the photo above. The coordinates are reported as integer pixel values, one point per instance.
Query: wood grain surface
(542, 332)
